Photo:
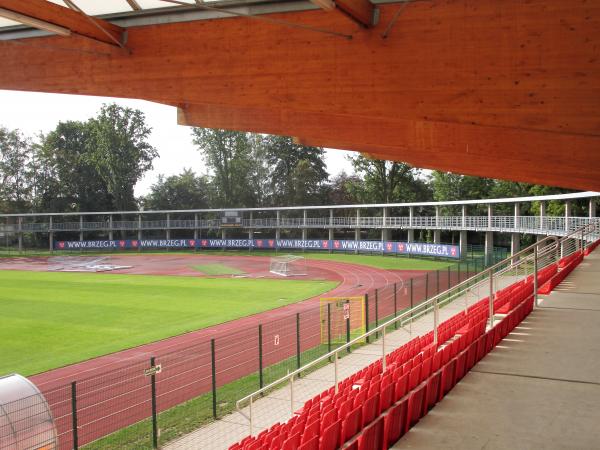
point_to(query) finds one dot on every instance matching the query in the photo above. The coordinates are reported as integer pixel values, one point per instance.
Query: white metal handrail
(530, 260)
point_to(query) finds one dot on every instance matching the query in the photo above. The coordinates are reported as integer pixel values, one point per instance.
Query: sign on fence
(152, 370)
(387, 247)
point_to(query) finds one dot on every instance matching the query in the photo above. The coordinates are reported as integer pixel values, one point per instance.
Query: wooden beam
(360, 11)
(519, 155)
(65, 18)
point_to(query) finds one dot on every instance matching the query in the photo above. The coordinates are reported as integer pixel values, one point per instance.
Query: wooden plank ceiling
(507, 89)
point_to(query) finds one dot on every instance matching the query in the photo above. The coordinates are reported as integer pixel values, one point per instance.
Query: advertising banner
(390, 247)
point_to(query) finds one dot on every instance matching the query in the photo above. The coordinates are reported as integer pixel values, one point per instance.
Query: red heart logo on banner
(61, 245)
(325, 244)
(121, 244)
(204, 243)
(259, 242)
(453, 251)
(192, 242)
(134, 243)
(336, 244)
(401, 247)
(389, 246)
(271, 242)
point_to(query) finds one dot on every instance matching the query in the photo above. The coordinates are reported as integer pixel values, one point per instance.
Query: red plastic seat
(330, 437)
(327, 419)
(351, 425)
(312, 444)
(311, 430)
(292, 443)
(371, 438)
(370, 410)
(386, 397)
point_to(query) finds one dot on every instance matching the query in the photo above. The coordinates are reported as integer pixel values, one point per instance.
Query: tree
(340, 189)
(16, 174)
(386, 181)
(66, 177)
(120, 151)
(183, 191)
(450, 186)
(298, 174)
(230, 157)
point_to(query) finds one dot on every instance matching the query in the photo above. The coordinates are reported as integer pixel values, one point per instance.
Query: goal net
(288, 265)
(342, 319)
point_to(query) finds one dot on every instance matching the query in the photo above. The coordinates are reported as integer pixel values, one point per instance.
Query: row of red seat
(330, 419)
(566, 264)
(590, 248)
(391, 425)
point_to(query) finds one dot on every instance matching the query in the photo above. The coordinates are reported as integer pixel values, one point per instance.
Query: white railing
(558, 226)
(515, 268)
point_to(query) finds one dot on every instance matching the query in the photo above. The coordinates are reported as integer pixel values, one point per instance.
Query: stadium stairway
(539, 388)
(275, 407)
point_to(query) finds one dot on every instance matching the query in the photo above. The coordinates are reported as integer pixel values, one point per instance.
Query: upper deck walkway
(539, 388)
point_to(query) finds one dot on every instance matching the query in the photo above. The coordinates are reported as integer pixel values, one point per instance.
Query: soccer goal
(288, 265)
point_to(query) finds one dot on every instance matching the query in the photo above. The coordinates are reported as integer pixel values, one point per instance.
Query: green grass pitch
(49, 320)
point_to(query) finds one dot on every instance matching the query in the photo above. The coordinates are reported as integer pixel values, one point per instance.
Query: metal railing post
(250, 413)
(395, 305)
(435, 321)
(383, 349)
(335, 359)
(535, 275)
(260, 356)
(298, 340)
(491, 302)
(367, 316)
(292, 394)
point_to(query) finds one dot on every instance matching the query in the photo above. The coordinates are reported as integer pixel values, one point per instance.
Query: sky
(33, 112)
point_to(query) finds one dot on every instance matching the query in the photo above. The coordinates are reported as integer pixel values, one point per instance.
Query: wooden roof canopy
(506, 89)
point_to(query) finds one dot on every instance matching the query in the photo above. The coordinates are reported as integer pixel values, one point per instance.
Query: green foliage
(183, 191)
(298, 174)
(385, 181)
(68, 179)
(17, 171)
(231, 157)
(120, 152)
(53, 319)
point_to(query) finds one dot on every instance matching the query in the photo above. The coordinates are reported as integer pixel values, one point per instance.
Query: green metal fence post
(214, 377)
(411, 298)
(395, 304)
(298, 340)
(367, 315)
(329, 328)
(154, 414)
(260, 357)
(74, 415)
